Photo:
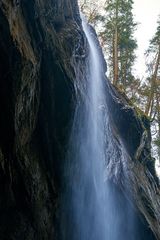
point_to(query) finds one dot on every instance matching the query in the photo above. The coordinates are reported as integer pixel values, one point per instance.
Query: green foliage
(153, 50)
(118, 14)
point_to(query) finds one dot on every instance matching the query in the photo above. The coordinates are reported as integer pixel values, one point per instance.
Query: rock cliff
(42, 50)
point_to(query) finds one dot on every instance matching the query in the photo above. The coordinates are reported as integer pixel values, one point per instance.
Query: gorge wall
(42, 51)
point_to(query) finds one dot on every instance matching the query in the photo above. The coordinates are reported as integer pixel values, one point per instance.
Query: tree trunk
(158, 120)
(153, 85)
(125, 71)
(115, 49)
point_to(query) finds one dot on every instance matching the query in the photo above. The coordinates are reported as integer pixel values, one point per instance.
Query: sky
(146, 14)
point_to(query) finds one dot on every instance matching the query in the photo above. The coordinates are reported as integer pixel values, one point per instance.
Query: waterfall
(90, 203)
(90, 151)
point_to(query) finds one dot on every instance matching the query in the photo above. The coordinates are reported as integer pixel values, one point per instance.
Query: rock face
(42, 49)
(133, 130)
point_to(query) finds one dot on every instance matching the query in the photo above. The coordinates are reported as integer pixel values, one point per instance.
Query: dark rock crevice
(7, 97)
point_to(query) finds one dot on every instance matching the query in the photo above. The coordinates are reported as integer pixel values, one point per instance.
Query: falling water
(91, 213)
(90, 150)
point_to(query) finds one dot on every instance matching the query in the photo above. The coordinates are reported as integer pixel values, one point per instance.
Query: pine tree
(119, 27)
(153, 53)
(153, 94)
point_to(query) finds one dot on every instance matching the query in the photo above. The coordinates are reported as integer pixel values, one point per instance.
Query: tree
(152, 108)
(91, 11)
(153, 53)
(119, 27)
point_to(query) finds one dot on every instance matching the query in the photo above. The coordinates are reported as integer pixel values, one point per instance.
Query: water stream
(91, 202)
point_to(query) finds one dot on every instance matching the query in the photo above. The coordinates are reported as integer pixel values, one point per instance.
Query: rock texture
(42, 50)
(37, 43)
(137, 178)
